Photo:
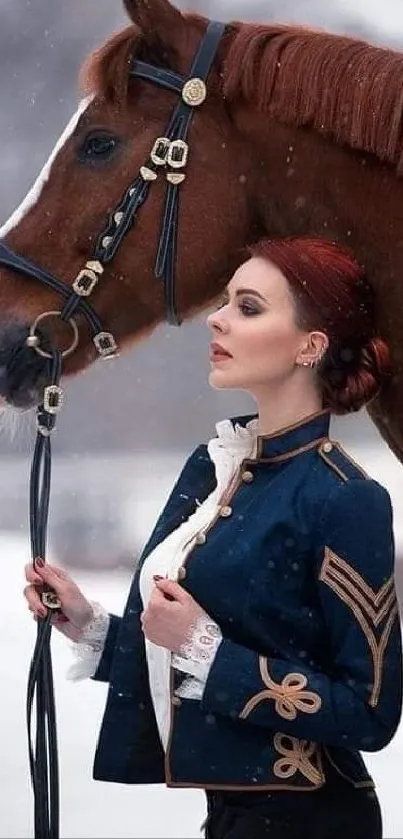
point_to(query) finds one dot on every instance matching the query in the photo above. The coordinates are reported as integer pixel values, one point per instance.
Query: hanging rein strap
(43, 756)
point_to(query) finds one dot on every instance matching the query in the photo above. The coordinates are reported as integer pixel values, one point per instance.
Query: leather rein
(169, 155)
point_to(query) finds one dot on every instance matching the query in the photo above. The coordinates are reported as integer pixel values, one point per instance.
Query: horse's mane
(342, 87)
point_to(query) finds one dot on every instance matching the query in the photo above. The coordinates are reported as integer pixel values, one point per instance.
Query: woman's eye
(245, 307)
(248, 308)
(98, 146)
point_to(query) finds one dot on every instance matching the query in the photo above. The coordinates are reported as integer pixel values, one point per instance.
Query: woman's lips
(217, 356)
(218, 353)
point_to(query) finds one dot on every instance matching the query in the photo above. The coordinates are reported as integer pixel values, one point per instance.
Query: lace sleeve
(196, 657)
(89, 647)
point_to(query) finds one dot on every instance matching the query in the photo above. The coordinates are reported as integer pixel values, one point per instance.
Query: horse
(291, 131)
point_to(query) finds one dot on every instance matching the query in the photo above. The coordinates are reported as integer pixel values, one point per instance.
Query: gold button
(225, 512)
(247, 477)
(176, 701)
(327, 447)
(181, 572)
(201, 539)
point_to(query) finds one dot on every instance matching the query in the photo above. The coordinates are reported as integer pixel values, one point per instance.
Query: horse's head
(76, 204)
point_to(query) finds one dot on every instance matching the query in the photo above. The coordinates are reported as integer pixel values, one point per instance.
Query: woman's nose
(216, 321)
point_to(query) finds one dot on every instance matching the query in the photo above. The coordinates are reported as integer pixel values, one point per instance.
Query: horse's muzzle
(23, 373)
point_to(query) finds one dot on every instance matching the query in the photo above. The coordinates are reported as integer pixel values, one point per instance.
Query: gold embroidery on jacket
(369, 607)
(289, 696)
(298, 756)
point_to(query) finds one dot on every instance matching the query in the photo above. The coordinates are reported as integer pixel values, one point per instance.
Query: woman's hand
(170, 615)
(76, 611)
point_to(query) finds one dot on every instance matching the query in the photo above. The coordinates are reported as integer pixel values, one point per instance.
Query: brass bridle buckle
(51, 600)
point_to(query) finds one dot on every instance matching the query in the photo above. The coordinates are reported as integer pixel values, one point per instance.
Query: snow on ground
(94, 809)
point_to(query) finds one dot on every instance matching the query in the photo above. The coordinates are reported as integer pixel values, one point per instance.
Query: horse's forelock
(106, 71)
(342, 87)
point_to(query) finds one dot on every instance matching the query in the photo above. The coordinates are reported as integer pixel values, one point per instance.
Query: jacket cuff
(264, 691)
(197, 654)
(102, 673)
(227, 689)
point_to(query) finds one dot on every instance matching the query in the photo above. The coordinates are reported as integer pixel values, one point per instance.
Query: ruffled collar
(237, 438)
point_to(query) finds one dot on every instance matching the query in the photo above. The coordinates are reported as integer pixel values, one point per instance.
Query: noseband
(168, 156)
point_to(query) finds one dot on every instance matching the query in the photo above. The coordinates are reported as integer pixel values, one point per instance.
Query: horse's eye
(98, 146)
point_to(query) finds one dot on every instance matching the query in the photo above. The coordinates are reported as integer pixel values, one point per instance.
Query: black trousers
(335, 811)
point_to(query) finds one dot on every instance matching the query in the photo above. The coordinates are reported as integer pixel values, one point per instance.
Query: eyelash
(247, 309)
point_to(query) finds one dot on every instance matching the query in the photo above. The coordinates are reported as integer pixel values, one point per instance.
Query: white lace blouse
(227, 451)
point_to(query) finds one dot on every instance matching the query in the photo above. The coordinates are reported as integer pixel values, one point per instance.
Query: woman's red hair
(331, 294)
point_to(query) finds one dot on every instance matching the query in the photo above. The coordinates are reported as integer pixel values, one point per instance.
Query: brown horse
(301, 132)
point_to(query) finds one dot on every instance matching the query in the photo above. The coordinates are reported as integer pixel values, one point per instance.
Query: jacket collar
(291, 440)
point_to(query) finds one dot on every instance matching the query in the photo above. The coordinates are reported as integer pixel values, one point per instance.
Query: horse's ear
(157, 19)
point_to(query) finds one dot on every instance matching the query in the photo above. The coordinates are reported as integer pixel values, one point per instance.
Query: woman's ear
(313, 350)
(319, 343)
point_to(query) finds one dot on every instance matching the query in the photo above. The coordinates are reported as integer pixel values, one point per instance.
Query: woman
(259, 650)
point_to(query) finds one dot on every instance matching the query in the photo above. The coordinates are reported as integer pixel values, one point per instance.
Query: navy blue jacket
(298, 573)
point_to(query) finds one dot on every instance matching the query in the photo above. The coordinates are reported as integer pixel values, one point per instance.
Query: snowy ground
(93, 809)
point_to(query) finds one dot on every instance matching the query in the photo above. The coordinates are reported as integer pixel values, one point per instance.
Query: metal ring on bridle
(33, 340)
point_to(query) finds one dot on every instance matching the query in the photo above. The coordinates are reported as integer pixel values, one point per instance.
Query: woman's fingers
(38, 576)
(34, 573)
(31, 575)
(34, 601)
(52, 577)
(76, 610)
(58, 572)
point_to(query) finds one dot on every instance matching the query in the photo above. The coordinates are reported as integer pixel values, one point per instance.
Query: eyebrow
(249, 291)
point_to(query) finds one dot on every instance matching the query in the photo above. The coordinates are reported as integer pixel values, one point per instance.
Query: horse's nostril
(23, 373)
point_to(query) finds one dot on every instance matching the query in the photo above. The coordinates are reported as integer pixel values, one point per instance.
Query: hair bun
(353, 377)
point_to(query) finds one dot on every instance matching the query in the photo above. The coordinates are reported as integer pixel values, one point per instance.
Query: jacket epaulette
(333, 454)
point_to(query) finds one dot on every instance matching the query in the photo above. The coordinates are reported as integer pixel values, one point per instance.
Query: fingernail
(42, 612)
(39, 563)
(157, 577)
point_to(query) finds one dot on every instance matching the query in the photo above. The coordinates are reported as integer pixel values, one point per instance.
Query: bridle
(169, 155)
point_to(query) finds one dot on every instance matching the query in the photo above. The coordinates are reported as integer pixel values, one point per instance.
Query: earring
(312, 364)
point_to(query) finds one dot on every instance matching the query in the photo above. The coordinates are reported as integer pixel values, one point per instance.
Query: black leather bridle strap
(28, 268)
(43, 754)
(157, 75)
(200, 69)
(178, 129)
(131, 202)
